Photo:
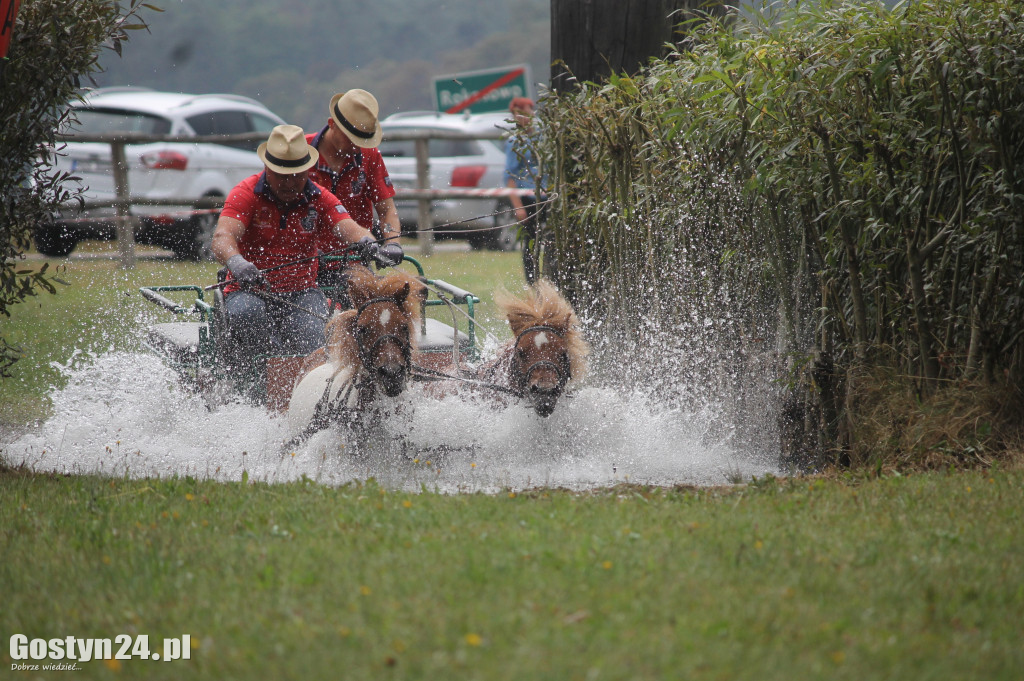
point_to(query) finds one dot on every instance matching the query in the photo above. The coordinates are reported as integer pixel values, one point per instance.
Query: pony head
(379, 334)
(549, 352)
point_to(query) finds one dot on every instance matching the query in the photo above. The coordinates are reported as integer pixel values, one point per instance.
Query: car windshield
(101, 121)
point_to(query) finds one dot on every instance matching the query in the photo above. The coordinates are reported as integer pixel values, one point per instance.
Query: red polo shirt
(363, 182)
(277, 233)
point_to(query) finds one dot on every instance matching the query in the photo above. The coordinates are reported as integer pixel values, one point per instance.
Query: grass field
(843, 577)
(899, 578)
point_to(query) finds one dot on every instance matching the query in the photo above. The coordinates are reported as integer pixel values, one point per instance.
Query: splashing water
(125, 414)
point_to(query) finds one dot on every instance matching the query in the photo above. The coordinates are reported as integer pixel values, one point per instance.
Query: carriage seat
(438, 338)
(178, 341)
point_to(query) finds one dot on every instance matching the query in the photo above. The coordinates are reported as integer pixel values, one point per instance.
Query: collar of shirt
(355, 162)
(309, 193)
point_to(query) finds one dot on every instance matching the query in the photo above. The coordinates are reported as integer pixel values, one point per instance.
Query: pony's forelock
(544, 305)
(364, 285)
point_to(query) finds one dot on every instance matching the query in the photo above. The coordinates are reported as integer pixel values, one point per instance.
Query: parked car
(157, 170)
(456, 163)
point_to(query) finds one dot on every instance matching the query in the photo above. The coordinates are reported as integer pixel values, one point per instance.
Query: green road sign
(481, 91)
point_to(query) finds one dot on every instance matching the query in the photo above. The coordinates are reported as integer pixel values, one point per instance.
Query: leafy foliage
(845, 184)
(55, 43)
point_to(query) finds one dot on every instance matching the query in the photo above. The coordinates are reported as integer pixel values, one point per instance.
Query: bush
(839, 189)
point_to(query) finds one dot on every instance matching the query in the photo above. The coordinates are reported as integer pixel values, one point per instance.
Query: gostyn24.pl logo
(70, 650)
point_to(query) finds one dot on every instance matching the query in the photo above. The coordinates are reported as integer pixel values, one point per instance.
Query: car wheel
(55, 240)
(197, 236)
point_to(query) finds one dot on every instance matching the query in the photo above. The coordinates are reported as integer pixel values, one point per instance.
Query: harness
(366, 352)
(562, 367)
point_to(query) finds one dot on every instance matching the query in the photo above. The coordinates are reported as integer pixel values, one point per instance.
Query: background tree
(293, 56)
(55, 44)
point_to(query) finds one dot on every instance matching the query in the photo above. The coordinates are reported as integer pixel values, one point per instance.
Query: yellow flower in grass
(113, 665)
(189, 496)
(607, 565)
(474, 639)
(407, 503)
(365, 590)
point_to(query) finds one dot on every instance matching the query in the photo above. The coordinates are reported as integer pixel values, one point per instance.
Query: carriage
(197, 345)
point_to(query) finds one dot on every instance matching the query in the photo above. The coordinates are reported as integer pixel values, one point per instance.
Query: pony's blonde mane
(544, 305)
(364, 286)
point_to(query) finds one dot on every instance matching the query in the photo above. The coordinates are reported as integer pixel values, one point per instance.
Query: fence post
(425, 223)
(124, 221)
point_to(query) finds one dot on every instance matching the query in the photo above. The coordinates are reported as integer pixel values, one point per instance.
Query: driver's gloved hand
(368, 248)
(390, 254)
(245, 273)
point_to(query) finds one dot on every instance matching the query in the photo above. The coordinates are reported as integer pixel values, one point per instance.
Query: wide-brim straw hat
(355, 114)
(286, 151)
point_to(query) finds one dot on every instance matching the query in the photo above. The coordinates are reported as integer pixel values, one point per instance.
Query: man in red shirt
(267, 236)
(351, 168)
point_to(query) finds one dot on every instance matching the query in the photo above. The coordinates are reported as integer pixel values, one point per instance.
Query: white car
(454, 163)
(156, 170)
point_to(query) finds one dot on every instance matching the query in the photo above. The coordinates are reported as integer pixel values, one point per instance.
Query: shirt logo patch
(309, 220)
(358, 184)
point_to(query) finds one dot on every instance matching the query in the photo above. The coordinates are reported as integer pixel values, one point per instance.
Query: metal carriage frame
(197, 349)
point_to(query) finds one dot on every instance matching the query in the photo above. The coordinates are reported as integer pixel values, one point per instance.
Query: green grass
(898, 578)
(100, 309)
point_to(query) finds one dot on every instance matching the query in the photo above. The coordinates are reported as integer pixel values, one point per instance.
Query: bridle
(562, 367)
(366, 352)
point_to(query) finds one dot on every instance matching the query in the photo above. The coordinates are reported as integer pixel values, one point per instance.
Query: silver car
(156, 170)
(454, 163)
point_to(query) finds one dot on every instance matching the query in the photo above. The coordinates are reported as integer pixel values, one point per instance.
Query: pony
(368, 353)
(548, 354)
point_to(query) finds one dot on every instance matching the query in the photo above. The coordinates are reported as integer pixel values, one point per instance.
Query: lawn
(898, 578)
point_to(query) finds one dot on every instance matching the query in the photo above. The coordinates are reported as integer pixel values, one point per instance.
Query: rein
(561, 368)
(428, 374)
(437, 229)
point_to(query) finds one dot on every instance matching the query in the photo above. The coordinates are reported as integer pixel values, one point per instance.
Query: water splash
(125, 414)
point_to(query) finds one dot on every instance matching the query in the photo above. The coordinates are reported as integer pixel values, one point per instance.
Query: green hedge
(838, 189)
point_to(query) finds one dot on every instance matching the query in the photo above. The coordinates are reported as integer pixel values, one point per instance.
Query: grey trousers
(279, 324)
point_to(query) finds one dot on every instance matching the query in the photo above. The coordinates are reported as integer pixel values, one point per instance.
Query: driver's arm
(225, 238)
(349, 230)
(389, 221)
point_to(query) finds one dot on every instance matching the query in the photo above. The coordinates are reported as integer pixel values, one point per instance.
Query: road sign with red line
(482, 91)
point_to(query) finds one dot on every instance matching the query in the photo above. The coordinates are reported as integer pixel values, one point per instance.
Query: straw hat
(355, 114)
(286, 151)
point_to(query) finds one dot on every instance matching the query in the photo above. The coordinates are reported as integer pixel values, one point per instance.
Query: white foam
(125, 414)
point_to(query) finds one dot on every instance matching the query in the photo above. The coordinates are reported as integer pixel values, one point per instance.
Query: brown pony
(369, 349)
(548, 353)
